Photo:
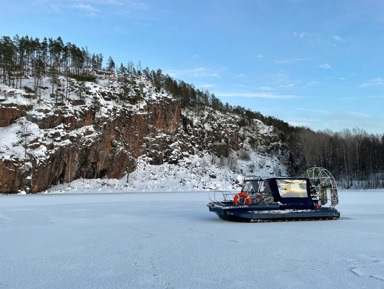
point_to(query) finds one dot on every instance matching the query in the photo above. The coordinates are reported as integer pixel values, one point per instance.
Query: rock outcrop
(101, 136)
(9, 114)
(84, 143)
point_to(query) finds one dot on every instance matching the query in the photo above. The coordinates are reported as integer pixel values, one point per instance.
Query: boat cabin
(289, 192)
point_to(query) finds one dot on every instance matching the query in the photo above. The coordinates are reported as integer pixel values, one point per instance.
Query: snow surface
(171, 240)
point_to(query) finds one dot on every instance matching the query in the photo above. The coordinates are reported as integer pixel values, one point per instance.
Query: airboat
(312, 197)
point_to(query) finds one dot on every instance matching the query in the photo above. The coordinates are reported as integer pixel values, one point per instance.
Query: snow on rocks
(202, 146)
(196, 173)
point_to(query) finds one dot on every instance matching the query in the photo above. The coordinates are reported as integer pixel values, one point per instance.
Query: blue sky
(314, 63)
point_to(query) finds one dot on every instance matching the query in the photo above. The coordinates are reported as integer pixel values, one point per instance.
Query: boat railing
(221, 196)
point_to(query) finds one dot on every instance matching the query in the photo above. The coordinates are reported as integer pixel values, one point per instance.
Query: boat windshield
(292, 188)
(250, 187)
(265, 188)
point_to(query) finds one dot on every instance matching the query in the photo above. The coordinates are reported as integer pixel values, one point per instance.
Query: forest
(353, 156)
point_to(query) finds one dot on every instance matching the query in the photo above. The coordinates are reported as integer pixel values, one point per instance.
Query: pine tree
(110, 68)
(110, 64)
(96, 105)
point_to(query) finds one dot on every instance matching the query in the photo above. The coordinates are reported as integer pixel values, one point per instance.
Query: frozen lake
(171, 240)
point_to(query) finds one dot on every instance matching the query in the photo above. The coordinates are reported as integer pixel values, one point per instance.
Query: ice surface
(171, 240)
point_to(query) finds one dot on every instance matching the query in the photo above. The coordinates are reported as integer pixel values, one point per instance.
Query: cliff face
(44, 142)
(86, 145)
(222, 133)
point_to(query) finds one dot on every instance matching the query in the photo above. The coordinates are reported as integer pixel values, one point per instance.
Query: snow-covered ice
(171, 240)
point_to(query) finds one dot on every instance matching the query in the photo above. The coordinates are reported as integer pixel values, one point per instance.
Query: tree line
(20, 56)
(354, 156)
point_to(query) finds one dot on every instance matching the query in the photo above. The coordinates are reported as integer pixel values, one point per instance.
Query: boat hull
(265, 213)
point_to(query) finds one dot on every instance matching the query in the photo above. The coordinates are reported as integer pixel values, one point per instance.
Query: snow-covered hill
(196, 174)
(102, 129)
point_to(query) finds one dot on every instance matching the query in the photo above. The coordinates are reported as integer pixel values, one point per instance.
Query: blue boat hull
(273, 212)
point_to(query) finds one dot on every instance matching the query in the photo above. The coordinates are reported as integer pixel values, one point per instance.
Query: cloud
(357, 115)
(288, 85)
(312, 83)
(265, 88)
(338, 38)
(338, 114)
(114, 2)
(325, 66)
(136, 4)
(348, 98)
(283, 80)
(303, 122)
(239, 76)
(311, 38)
(289, 61)
(313, 110)
(92, 7)
(87, 8)
(374, 82)
(302, 34)
(207, 85)
(318, 119)
(305, 35)
(376, 96)
(254, 95)
(194, 72)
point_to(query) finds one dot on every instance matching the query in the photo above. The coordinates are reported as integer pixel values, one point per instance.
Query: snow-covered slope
(92, 130)
(196, 174)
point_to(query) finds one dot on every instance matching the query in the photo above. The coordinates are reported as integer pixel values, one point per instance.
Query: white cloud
(314, 110)
(325, 66)
(348, 98)
(239, 76)
(318, 119)
(303, 34)
(338, 38)
(311, 38)
(312, 83)
(194, 72)
(114, 2)
(376, 96)
(137, 4)
(357, 115)
(89, 9)
(374, 82)
(338, 114)
(289, 61)
(288, 85)
(207, 85)
(93, 7)
(265, 88)
(254, 95)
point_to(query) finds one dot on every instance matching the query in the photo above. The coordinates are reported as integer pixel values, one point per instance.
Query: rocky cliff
(90, 132)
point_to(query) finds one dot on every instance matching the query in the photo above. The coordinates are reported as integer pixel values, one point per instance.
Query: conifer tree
(110, 68)
(110, 64)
